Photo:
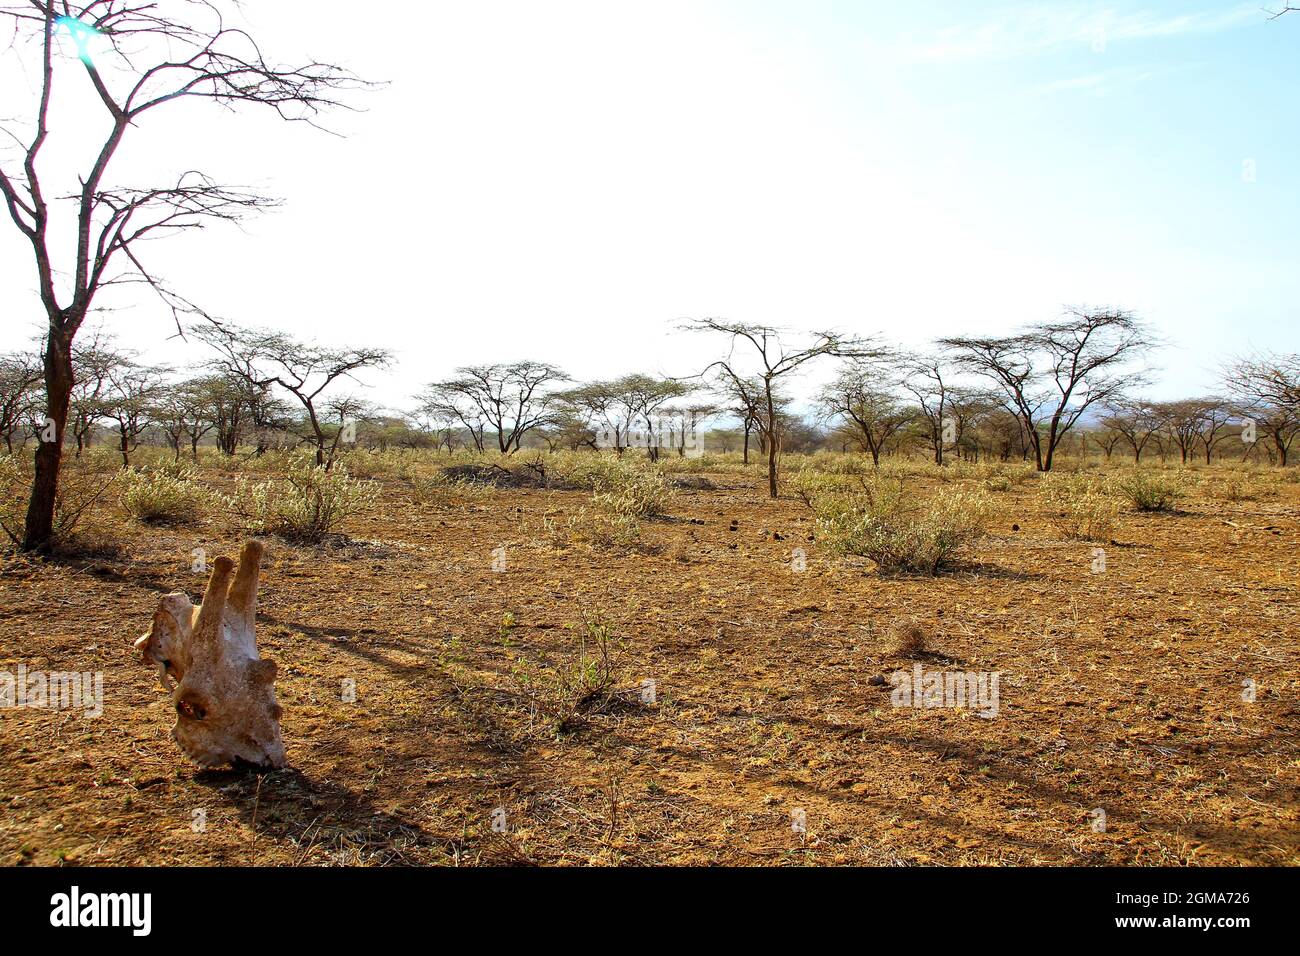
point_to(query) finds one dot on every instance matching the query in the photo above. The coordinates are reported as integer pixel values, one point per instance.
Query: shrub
(1149, 490)
(176, 468)
(594, 527)
(306, 505)
(165, 496)
(839, 463)
(562, 694)
(909, 639)
(439, 492)
(810, 483)
(373, 463)
(1235, 488)
(15, 486)
(1080, 507)
(887, 524)
(629, 492)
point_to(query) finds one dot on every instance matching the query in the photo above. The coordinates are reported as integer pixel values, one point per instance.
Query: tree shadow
(294, 809)
(346, 640)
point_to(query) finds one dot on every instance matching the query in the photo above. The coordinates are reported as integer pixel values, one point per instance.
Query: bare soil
(1120, 691)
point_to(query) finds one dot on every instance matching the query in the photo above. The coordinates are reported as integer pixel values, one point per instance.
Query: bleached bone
(225, 692)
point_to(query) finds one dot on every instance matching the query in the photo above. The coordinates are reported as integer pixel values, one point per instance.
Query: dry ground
(1120, 691)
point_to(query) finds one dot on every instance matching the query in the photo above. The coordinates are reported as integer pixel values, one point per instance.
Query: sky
(571, 181)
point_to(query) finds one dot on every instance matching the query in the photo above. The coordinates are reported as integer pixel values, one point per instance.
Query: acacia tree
(227, 404)
(440, 428)
(183, 413)
(1106, 438)
(1188, 420)
(342, 411)
(1136, 421)
(130, 401)
(644, 399)
(583, 413)
(512, 399)
(1216, 413)
(1052, 373)
(572, 426)
(94, 361)
(775, 362)
(138, 59)
(263, 358)
(925, 376)
(747, 398)
(618, 408)
(20, 372)
(449, 409)
(873, 414)
(683, 423)
(1267, 388)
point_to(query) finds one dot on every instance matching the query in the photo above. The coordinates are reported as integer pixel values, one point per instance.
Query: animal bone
(225, 692)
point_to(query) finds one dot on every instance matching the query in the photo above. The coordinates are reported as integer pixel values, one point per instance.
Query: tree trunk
(45, 484)
(771, 445)
(771, 467)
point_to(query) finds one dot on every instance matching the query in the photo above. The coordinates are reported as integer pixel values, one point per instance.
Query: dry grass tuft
(909, 639)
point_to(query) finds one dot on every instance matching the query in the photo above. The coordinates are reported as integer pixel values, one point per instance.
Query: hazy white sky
(568, 181)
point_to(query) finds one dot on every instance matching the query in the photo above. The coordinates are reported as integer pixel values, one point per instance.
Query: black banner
(140, 906)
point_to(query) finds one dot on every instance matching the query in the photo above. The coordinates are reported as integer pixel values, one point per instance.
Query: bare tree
(263, 358)
(1052, 373)
(775, 363)
(154, 55)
